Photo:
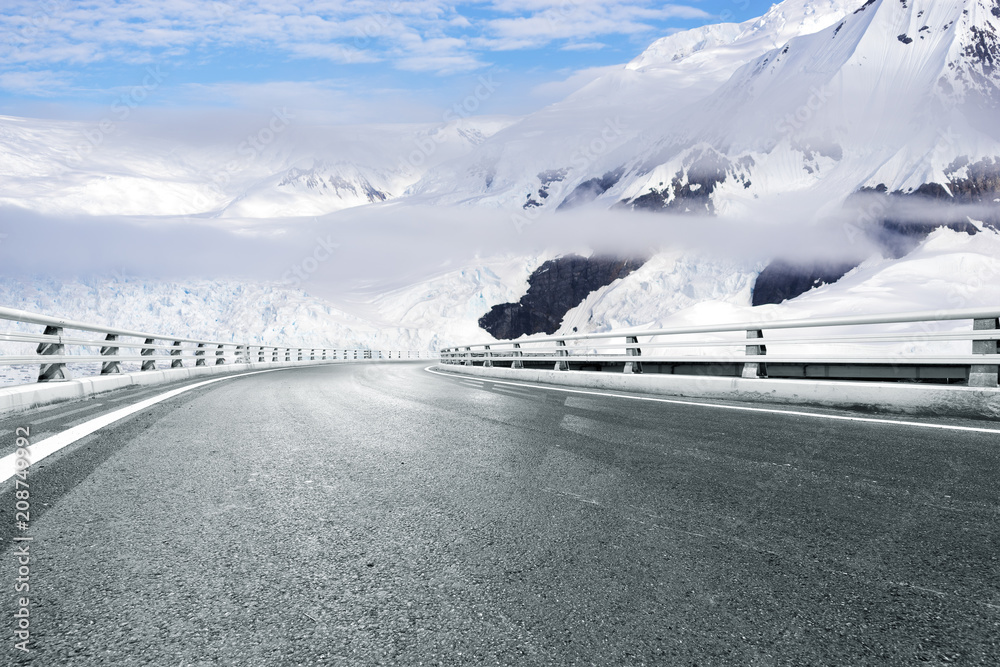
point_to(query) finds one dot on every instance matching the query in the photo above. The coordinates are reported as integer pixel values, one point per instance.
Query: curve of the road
(382, 515)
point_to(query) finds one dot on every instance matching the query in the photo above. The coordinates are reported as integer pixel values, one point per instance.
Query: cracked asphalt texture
(380, 515)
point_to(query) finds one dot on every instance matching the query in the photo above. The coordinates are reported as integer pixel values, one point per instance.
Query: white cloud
(542, 22)
(554, 90)
(39, 83)
(418, 35)
(583, 46)
(314, 102)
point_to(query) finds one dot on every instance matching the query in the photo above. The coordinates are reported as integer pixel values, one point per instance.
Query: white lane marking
(52, 444)
(741, 408)
(35, 422)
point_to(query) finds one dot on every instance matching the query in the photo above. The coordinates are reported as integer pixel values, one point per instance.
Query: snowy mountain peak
(890, 95)
(793, 18)
(781, 23)
(682, 45)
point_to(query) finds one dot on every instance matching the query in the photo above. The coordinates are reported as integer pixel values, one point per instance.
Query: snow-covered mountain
(822, 96)
(274, 169)
(948, 270)
(825, 96)
(895, 96)
(585, 140)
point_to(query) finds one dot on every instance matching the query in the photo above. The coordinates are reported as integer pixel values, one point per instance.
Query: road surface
(382, 515)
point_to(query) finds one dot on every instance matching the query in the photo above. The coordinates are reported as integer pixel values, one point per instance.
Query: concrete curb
(887, 397)
(26, 397)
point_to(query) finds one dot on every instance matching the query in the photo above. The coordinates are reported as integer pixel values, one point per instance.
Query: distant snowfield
(440, 310)
(949, 270)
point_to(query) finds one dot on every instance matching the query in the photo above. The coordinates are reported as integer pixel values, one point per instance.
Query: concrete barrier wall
(26, 397)
(891, 397)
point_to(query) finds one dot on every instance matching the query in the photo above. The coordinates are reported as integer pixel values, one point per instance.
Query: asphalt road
(379, 514)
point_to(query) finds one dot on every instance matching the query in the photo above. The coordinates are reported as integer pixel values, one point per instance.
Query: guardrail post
(488, 363)
(112, 367)
(199, 355)
(261, 352)
(561, 365)
(632, 366)
(148, 364)
(312, 355)
(517, 363)
(755, 370)
(982, 375)
(274, 354)
(57, 371)
(298, 353)
(220, 356)
(177, 362)
(240, 354)
(468, 357)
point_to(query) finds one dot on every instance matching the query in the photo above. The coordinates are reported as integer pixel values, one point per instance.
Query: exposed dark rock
(545, 178)
(905, 39)
(588, 191)
(782, 280)
(690, 190)
(895, 233)
(979, 186)
(897, 238)
(314, 180)
(864, 6)
(554, 288)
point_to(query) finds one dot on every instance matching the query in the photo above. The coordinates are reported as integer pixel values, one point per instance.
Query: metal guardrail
(154, 350)
(727, 349)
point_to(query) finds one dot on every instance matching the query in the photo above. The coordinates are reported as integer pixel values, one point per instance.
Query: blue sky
(337, 61)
